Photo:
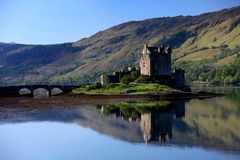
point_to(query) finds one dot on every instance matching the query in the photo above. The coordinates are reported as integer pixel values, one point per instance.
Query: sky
(59, 21)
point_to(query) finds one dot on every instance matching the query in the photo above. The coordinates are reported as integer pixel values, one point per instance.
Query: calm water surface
(196, 129)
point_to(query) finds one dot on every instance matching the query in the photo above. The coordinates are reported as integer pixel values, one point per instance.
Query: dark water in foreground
(196, 129)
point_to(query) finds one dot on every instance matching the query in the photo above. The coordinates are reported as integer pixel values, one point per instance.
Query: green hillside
(204, 46)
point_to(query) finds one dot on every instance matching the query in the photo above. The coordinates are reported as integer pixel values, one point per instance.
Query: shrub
(134, 75)
(214, 39)
(214, 47)
(126, 79)
(95, 85)
(143, 79)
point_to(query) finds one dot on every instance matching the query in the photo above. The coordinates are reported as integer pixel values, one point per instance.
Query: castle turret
(145, 48)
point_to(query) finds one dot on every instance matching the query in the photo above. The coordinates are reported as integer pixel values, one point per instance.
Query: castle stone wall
(161, 64)
(179, 76)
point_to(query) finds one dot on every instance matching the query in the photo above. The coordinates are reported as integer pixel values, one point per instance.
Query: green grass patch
(118, 88)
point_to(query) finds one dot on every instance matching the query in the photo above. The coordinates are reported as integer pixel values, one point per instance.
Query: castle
(154, 62)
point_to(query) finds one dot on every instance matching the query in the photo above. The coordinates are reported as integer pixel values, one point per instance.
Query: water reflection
(211, 124)
(155, 121)
(157, 125)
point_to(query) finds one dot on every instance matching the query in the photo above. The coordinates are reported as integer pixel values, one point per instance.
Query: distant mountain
(201, 44)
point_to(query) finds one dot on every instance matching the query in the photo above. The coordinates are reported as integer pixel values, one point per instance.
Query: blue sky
(57, 21)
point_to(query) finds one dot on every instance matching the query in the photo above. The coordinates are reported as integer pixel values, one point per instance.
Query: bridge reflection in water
(155, 122)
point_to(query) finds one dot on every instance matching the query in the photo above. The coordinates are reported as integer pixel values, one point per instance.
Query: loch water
(179, 129)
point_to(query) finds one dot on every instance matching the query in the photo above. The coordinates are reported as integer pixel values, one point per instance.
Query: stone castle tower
(155, 61)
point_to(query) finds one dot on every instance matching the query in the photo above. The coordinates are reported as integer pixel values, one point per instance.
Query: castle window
(143, 64)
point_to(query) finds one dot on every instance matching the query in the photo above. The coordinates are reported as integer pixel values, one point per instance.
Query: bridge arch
(41, 92)
(24, 91)
(56, 91)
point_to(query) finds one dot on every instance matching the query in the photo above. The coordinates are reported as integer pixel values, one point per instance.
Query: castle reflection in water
(155, 123)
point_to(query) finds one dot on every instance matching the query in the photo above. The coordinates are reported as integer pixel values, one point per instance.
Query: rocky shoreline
(70, 99)
(168, 95)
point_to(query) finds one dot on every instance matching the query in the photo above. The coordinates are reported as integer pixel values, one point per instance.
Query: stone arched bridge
(15, 90)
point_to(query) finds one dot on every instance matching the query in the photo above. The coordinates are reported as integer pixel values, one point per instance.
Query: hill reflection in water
(209, 124)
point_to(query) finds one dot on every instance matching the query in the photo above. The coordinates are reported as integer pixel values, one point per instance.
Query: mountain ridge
(194, 39)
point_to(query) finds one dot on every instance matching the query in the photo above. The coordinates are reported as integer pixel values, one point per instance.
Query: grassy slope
(224, 33)
(132, 88)
(225, 61)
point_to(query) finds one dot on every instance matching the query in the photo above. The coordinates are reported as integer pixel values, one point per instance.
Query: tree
(126, 79)
(134, 75)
